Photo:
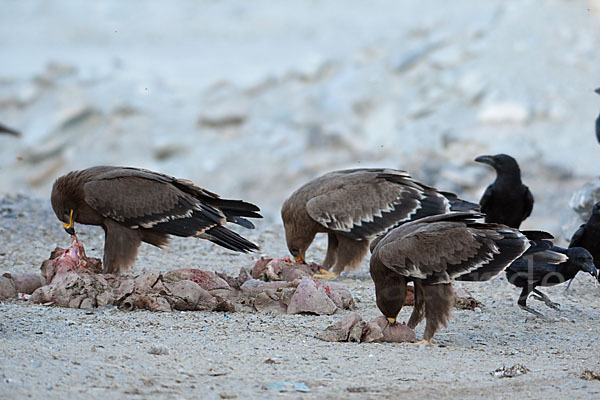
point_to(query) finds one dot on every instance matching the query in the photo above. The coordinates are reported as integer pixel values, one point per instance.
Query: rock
(25, 282)
(269, 304)
(308, 298)
(71, 259)
(282, 269)
(158, 350)
(507, 113)
(356, 332)
(341, 296)
(75, 281)
(236, 282)
(8, 289)
(472, 86)
(224, 114)
(584, 199)
(150, 302)
(340, 331)
(253, 286)
(379, 330)
(412, 56)
(284, 386)
(185, 295)
(372, 332)
(510, 372)
(447, 57)
(147, 280)
(463, 300)
(207, 280)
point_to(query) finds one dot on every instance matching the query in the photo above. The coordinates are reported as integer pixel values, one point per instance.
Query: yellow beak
(299, 258)
(70, 227)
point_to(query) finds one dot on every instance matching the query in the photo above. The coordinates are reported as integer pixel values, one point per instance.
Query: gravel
(108, 353)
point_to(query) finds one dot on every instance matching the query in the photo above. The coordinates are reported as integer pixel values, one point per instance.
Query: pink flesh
(73, 251)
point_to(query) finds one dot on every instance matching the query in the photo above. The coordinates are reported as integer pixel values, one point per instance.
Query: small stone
(308, 298)
(158, 350)
(340, 331)
(284, 386)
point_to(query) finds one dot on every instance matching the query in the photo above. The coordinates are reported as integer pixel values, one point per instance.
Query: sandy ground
(108, 353)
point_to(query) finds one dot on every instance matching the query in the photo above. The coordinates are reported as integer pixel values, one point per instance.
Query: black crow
(598, 121)
(547, 265)
(507, 200)
(588, 235)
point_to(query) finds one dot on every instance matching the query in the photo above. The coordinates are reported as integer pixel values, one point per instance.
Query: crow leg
(536, 313)
(522, 302)
(542, 297)
(568, 286)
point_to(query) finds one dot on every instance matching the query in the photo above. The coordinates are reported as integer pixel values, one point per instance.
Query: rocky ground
(109, 353)
(252, 99)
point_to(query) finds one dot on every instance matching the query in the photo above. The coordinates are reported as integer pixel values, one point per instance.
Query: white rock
(507, 112)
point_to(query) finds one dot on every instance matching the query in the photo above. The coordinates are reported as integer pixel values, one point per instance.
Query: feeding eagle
(354, 206)
(135, 205)
(433, 251)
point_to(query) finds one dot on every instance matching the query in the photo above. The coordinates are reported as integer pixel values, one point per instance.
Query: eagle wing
(146, 200)
(365, 203)
(441, 250)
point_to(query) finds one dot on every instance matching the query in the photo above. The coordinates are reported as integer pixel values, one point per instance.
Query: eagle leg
(419, 307)
(350, 254)
(121, 246)
(542, 297)
(331, 256)
(439, 299)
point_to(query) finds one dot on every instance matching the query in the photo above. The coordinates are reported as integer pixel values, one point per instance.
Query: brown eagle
(433, 251)
(135, 205)
(352, 207)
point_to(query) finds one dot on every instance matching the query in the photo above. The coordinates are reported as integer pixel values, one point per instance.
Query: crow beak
(70, 227)
(597, 90)
(486, 160)
(591, 269)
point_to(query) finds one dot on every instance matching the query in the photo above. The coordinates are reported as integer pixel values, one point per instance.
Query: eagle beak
(299, 258)
(70, 227)
(391, 321)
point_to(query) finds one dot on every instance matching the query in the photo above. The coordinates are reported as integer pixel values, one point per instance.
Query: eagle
(135, 205)
(352, 207)
(433, 251)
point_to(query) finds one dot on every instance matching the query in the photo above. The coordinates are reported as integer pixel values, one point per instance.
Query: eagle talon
(426, 343)
(324, 274)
